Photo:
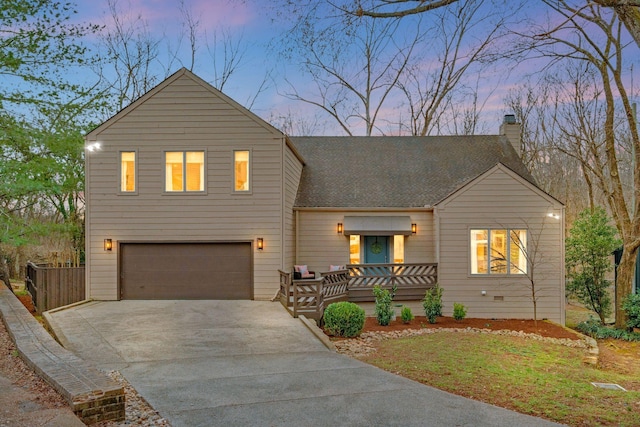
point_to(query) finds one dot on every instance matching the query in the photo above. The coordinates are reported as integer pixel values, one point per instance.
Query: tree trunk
(626, 271)
(5, 276)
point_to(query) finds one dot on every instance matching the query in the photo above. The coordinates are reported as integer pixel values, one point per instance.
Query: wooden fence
(53, 287)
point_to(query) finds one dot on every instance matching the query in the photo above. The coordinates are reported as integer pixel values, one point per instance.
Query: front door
(376, 249)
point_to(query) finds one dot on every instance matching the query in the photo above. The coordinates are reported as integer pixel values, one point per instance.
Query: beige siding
(500, 199)
(185, 115)
(292, 172)
(319, 244)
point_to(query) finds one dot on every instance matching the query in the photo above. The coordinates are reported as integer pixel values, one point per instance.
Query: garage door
(186, 271)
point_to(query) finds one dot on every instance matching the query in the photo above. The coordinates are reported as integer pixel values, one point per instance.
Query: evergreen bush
(384, 312)
(406, 315)
(459, 311)
(344, 319)
(432, 303)
(631, 306)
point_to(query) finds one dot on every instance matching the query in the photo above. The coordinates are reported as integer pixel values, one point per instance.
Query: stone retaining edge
(50, 322)
(311, 325)
(92, 395)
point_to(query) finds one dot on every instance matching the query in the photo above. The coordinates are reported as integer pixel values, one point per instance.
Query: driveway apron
(246, 363)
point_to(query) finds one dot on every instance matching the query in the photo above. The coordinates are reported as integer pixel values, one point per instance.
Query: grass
(532, 377)
(21, 293)
(575, 313)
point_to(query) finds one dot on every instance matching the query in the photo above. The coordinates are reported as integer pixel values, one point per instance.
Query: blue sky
(255, 29)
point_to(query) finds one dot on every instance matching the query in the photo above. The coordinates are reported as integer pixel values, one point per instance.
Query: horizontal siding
(185, 116)
(498, 200)
(321, 246)
(292, 173)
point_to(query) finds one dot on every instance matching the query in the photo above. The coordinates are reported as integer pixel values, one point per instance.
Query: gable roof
(504, 169)
(181, 73)
(357, 172)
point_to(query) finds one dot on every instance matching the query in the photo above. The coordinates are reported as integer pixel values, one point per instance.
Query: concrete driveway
(237, 363)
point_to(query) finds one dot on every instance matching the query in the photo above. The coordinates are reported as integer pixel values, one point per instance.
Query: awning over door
(377, 225)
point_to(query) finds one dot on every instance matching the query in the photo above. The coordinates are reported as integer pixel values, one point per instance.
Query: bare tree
(294, 124)
(593, 35)
(191, 27)
(531, 260)
(395, 8)
(459, 42)
(355, 67)
(628, 11)
(131, 53)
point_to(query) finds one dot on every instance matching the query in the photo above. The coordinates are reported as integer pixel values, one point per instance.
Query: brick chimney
(513, 131)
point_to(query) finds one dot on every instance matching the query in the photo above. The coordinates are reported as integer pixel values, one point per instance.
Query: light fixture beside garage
(340, 228)
(260, 243)
(108, 245)
(414, 228)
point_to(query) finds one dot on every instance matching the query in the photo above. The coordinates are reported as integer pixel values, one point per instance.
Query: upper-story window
(184, 171)
(241, 172)
(128, 171)
(498, 251)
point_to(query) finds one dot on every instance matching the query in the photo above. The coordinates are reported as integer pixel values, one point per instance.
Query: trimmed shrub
(432, 303)
(631, 306)
(459, 311)
(384, 312)
(344, 319)
(406, 315)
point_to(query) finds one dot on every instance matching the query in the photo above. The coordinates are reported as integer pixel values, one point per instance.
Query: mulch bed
(543, 328)
(27, 302)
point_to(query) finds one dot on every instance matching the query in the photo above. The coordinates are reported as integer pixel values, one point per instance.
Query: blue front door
(376, 249)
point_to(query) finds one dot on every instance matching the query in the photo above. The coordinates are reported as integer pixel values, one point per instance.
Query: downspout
(283, 200)
(87, 225)
(297, 235)
(562, 269)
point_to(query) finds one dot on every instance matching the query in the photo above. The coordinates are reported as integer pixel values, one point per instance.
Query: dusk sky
(253, 27)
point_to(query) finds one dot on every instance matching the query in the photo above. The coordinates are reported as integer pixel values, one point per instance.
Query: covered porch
(355, 283)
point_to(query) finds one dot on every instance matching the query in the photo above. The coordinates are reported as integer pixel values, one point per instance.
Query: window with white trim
(498, 251)
(184, 171)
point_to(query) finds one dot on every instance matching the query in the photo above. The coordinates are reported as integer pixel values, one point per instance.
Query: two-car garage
(186, 270)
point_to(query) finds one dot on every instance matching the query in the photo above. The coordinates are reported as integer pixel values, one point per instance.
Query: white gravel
(137, 411)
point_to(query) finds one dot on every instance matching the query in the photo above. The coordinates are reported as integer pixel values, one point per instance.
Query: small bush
(631, 306)
(406, 315)
(459, 311)
(432, 303)
(597, 330)
(384, 312)
(344, 319)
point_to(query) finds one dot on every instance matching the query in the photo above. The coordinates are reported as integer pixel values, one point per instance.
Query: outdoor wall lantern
(260, 243)
(108, 245)
(414, 228)
(339, 228)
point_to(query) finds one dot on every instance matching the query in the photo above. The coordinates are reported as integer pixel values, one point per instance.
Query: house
(193, 196)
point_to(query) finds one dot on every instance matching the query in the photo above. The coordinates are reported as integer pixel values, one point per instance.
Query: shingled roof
(359, 172)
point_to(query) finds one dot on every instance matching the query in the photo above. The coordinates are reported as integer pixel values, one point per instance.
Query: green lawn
(532, 377)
